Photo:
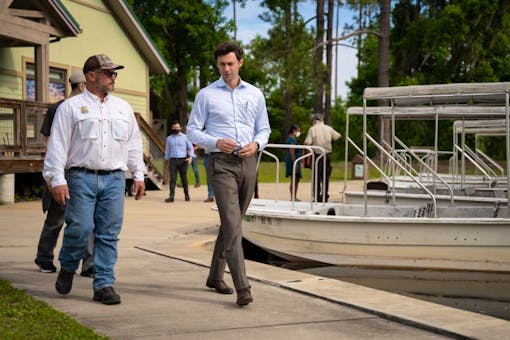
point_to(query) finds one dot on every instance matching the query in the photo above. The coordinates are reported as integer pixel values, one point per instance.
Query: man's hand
(249, 150)
(226, 145)
(60, 194)
(189, 160)
(138, 189)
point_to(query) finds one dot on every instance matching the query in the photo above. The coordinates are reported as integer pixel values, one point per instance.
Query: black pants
(178, 165)
(323, 183)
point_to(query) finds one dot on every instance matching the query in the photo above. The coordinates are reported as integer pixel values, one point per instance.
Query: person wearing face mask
(292, 154)
(179, 152)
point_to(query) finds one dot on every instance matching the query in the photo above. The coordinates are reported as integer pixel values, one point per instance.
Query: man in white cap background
(322, 135)
(94, 139)
(54, 211)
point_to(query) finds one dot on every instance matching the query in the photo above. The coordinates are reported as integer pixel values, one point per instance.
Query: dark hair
(175, 122)
(74, 86)
(227, 47)
(293, 128)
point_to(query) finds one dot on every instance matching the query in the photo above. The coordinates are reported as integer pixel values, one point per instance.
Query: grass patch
(23, 317)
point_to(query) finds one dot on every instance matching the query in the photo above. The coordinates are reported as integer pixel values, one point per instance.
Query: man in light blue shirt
(179, 152)
(229, 118)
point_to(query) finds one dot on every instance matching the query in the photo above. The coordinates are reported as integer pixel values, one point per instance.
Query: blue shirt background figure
(179, 152)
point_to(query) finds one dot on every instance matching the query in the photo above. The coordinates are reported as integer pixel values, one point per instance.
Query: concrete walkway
(164, 251)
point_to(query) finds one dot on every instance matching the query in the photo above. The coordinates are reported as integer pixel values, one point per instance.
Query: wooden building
(41, 42)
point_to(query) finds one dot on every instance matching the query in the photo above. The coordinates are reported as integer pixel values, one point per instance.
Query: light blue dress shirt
(178, 146)
(219, 112)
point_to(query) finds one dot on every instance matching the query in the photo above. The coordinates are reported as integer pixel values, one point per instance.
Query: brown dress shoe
(220, 286)
(244, 296)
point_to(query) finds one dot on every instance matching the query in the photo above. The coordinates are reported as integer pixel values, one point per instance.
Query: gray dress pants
(233, 180)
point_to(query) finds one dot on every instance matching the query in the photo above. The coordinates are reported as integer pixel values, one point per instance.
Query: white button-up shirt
(95, 135)
(220, 112)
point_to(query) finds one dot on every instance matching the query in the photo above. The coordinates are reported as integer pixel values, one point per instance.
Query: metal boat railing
(432, 102)
(429, 169)
(317, 153)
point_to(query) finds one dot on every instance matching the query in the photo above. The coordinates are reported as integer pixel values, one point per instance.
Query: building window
(57, 88)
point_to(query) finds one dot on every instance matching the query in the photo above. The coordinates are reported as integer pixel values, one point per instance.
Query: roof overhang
(135, 30)
(34, 22)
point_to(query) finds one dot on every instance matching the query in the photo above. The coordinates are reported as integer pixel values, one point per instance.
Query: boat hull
(452, 243)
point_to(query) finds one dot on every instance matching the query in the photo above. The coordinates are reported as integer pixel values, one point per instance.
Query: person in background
(292, 154)
(54, 211)
(179, 153)
(194, 166)
(94, 140)
(210, 190)
(322, 135)
(229, 118)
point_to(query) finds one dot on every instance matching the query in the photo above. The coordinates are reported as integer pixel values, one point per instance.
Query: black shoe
(169, 200)
(107, 296)
(197, 185)
(64, 282)
(186, 198)
(45, 267)
(88, 272)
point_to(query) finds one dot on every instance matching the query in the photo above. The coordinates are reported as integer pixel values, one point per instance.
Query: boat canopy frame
(464, 101)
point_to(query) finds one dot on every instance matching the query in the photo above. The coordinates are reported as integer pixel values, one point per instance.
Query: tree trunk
(182, 86)
(384, 65)
(288, 74)
(329, 62)
(319, 65)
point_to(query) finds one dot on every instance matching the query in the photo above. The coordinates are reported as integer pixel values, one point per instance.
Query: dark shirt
(48, 118)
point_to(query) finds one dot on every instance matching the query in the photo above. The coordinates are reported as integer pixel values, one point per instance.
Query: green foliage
(186, 32)
(23, 317)
(435, 42)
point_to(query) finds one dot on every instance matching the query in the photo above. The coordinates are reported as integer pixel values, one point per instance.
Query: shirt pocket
(89, 128)
(120, 129)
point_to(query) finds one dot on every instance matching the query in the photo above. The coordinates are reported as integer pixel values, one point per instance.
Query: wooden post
(42, 72)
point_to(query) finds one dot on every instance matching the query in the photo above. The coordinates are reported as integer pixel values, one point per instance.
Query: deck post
(6, 188)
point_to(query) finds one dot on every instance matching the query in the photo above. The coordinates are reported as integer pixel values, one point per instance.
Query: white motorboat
(436, 234)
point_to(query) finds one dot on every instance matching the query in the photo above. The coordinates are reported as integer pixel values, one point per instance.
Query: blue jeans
(51, 229)
(210, 191)
(96, 204)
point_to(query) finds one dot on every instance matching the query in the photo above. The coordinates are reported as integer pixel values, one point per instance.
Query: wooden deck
(22, 146)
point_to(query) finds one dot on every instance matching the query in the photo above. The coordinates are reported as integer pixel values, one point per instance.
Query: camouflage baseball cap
(100, 62)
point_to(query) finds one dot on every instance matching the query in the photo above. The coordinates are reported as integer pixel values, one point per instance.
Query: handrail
(387, 154)
(156, 147)
(432, 172)
(474, 163)
(313, 150)
(381, 171)
(479, 160)
(493, 162)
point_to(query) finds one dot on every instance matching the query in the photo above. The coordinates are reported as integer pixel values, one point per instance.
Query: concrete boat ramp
(164, 253)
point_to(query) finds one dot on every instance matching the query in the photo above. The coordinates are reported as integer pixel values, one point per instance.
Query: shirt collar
(93, 97)
(221, 83)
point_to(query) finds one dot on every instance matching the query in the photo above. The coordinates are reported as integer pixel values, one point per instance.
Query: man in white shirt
(229, 118)
(94, 139)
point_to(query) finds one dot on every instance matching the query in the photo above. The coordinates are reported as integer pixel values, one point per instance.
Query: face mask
(175, 131)
(298, 133)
